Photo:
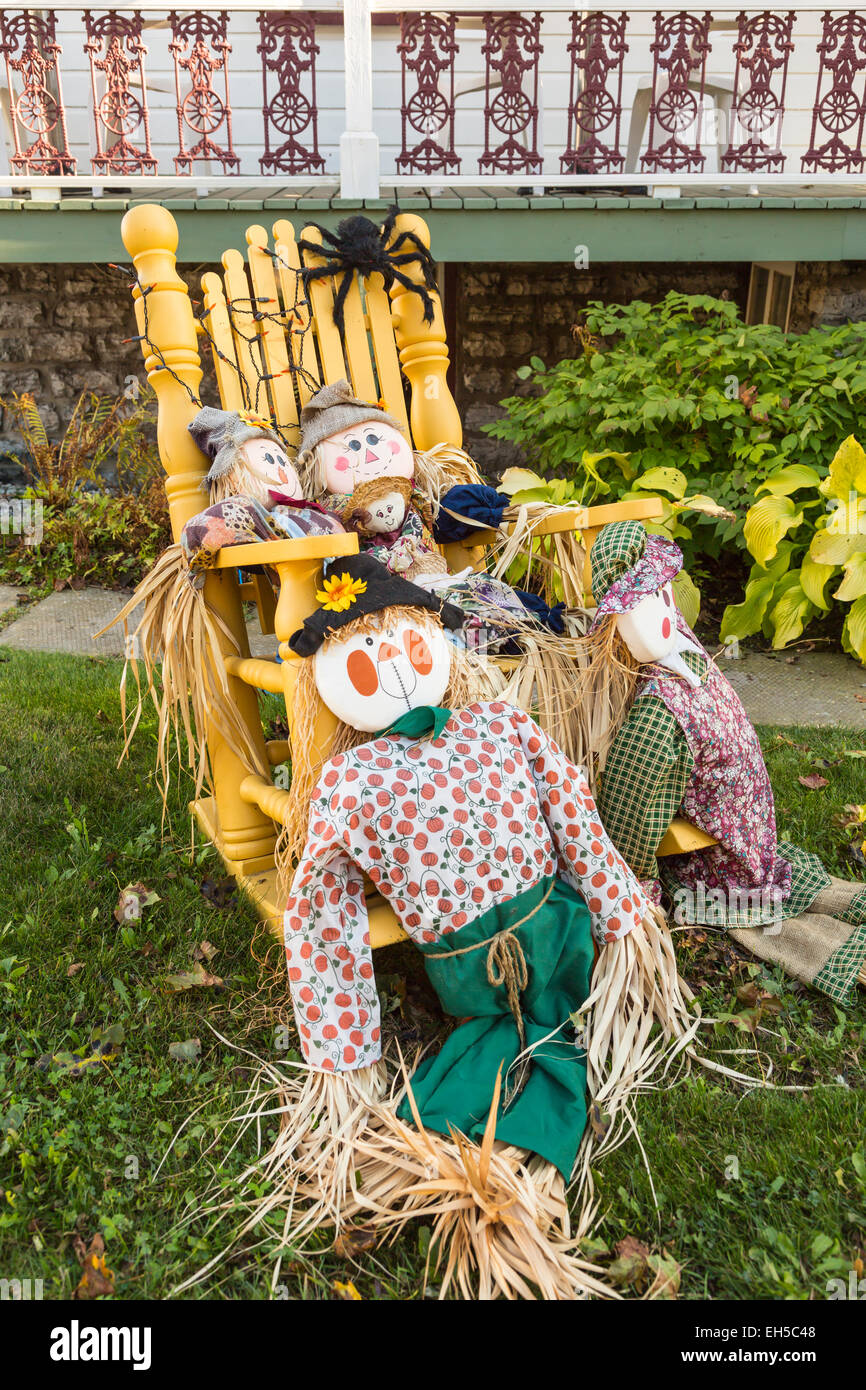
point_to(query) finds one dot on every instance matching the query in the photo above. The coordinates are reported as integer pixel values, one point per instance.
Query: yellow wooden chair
(385, 340)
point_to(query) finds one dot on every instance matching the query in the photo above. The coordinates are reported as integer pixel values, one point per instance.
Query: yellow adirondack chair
(385, 340)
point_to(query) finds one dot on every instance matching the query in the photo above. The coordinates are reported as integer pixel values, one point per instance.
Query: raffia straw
(182, 636)
(472, 678)
(500, 1220)
(501, 1225)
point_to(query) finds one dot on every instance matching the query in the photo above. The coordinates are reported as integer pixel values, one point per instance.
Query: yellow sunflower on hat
(340, 593)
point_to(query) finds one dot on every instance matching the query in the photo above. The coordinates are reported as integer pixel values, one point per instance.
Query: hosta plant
(524, 486)
(805, 534)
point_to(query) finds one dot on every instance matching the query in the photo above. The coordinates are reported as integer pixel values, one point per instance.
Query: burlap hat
(334, 408)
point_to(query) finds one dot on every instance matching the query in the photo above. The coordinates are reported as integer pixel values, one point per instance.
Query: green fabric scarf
(424, 719)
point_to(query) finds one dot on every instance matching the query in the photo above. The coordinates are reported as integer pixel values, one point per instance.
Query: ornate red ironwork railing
(117, 55)
(288, 51)
(597, 52)
(427, 48)
(28, 42)
(471, 93)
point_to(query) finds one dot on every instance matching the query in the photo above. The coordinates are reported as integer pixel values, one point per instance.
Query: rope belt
(506, 968)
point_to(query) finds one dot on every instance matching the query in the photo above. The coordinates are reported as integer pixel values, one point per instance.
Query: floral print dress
(447, 828)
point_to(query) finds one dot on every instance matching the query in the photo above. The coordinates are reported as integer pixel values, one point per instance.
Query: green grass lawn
(759, 1195)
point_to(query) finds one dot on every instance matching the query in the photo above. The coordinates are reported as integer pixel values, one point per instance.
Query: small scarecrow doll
(680, 743)
(486, 842)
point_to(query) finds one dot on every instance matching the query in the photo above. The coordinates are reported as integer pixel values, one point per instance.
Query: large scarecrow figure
(682, 744)
(486, 842)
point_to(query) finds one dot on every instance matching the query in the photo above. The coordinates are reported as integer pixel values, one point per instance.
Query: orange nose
(387, 652)
(370, 456)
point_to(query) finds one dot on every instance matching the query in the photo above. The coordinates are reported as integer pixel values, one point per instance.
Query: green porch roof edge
(505, 229)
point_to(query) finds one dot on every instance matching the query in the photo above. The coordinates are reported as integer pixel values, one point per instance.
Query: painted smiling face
(372, 450)
(371, 678)
(269, 465)
(650, 629)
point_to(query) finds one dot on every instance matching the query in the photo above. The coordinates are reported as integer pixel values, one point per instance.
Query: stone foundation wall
(62, 326)
(61, 333)
(508, 313)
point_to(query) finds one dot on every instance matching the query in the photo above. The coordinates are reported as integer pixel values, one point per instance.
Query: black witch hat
(360, 585)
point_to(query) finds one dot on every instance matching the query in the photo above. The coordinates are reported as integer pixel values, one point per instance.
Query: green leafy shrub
(805, 530)
(686, 384)
(90, 532)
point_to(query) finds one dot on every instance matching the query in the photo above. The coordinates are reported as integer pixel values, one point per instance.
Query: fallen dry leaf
(346, 1291)
(813, 781)
(97, 1280)
(204, 950)
(354, 1241)
(197, 978)
(74, 968)
(134, 898)
(187, 1051)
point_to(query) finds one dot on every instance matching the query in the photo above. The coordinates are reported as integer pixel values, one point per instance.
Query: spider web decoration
(246, 314)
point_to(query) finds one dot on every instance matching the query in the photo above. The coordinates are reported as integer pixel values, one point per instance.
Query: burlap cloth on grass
(824, 947)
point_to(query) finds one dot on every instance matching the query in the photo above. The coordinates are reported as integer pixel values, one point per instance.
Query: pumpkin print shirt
(445, 827)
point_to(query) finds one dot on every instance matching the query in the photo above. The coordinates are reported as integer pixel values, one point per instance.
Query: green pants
(455, 1088)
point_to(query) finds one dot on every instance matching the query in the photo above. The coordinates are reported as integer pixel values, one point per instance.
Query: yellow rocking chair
(385, 341)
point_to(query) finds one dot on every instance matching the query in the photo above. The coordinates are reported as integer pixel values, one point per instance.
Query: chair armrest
(282, 552)
(579, 519)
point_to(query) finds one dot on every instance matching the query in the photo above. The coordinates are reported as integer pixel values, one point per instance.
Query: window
(770, 291)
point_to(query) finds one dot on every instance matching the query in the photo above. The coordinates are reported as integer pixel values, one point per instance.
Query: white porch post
(359, 144)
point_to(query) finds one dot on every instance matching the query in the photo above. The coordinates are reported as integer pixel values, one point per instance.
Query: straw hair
(181, 635)
(607, 677)
(472, 678)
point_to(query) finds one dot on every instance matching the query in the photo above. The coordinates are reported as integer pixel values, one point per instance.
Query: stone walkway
(776, 687)
(66, 621)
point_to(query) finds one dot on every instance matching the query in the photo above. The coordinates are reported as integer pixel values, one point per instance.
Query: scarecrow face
(371, 450)
(371, 678)
(269, 464)
(650, 630)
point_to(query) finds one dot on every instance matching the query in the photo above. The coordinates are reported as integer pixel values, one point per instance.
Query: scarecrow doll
(679, 742)
(486, 842)
(351, 456)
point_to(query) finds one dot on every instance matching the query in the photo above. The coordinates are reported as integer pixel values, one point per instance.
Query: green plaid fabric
(839, 974)
(645, 777)
(617, 549)
(808, 878)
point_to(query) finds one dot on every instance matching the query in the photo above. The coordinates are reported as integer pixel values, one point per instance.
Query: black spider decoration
(358, 244)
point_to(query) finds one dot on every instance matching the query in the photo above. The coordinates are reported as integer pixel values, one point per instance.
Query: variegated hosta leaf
(791, 611)
(687, 596)
(790, 479)
(831, 547)
(854, 631)
(622, 461)
(853, 584)
(744, 619)
(700, 502)
(766, 523)
(847, 471)
(813, 578)
(519, 480)
(670, 480)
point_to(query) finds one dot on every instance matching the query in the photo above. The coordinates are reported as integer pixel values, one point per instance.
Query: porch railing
(358, 100)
